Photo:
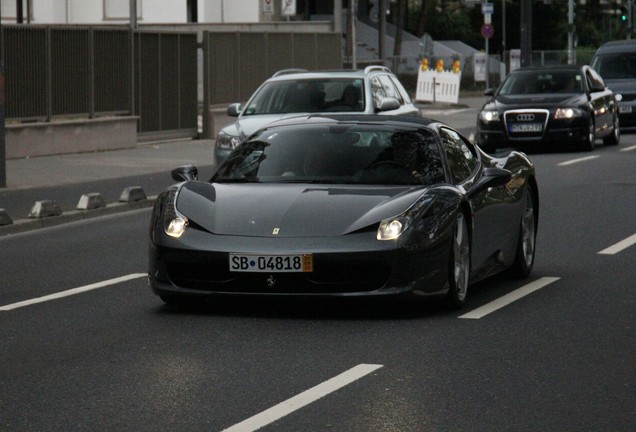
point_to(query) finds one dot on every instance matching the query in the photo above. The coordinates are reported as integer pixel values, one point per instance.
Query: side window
(377, 90)
(401, 89)
(594, 81)
(389, 88)
(461, 157)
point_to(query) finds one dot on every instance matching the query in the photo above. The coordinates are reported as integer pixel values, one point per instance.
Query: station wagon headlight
(489, 116)
(390, 229)
(227, 141)
(567, 113)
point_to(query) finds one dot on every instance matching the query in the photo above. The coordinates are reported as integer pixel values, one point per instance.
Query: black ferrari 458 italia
(345, 206)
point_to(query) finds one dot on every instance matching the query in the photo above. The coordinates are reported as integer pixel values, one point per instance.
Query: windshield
(318, 95)
(339, 154)
(616, 65)
(540, 82)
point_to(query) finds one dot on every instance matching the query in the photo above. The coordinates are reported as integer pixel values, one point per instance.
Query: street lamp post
(3, 159)
(571, 57)
(526, 32)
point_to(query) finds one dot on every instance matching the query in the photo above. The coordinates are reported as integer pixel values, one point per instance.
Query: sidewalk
(44, 171)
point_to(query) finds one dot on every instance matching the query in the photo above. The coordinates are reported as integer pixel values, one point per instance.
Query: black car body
(615, 61)
(553, 107)
(345, 206)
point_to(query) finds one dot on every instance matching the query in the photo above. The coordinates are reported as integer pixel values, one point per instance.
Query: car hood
(544, 101)
(247, 125)
(296, 210)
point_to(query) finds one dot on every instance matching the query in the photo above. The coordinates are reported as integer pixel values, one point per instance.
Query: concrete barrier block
(132, 193)
(90, 201)
(4, 218)
(45, 208)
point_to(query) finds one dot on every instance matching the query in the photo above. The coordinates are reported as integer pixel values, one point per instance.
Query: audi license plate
(526, 127)
(271, 263)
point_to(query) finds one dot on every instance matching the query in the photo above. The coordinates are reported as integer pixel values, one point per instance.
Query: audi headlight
(227, 141)
(567, 113)
(174, 223)
(489, 116)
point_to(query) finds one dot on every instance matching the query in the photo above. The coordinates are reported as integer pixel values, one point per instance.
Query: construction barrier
(436, 86)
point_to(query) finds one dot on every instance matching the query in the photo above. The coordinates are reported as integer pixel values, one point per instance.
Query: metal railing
(55, 72)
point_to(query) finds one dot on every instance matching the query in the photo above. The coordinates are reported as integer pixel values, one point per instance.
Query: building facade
(104, 12)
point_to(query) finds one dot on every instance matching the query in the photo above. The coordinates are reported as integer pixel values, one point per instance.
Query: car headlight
(174, 223)
(567, 113)
(489, 116)
(227, 141)
(390, 229)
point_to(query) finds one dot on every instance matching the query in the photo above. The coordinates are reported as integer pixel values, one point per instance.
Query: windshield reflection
(342, 154)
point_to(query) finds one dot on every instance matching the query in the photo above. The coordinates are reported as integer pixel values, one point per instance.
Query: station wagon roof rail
(376, 68)
(289, 71)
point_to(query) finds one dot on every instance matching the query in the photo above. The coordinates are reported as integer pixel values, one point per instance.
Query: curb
(29, 224)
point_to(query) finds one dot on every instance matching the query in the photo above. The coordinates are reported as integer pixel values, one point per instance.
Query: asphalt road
(103, 353)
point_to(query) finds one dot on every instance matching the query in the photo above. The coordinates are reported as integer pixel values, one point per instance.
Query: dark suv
(374, 90)
(616, 62)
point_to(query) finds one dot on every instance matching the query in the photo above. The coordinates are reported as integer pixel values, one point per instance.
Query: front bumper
(493, 136)
(627, 115)
(353, 265)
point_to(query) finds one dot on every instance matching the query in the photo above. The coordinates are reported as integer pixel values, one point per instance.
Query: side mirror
(233, 110)
(489, 92)
(185, 173)
(388, 104)
(491, 177)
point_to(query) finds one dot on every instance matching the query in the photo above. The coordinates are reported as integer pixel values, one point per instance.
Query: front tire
(588, 144)
(526, 245)
(459, 264)
(615, 137)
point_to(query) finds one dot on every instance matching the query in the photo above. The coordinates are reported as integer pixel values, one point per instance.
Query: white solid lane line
(630, 148)
(72, 291)
(574, 161)
(618, 247)
(305, 398)
(509, 298)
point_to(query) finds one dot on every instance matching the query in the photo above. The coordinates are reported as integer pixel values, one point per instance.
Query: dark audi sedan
(552, 107)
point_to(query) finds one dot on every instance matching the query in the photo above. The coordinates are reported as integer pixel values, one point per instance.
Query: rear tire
(458, 265)
(526, 245)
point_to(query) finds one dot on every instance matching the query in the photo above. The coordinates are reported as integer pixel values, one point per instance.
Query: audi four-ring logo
(525, 117)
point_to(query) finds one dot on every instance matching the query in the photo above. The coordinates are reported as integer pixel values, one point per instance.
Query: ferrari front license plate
(271, 263)
(526, 127)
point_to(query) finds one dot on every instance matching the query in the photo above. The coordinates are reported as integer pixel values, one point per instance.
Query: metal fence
(55, 72)
(166, 84)
(66, 72)
(236, 63)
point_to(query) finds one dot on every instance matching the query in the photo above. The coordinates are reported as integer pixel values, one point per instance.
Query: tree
(399, 23)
